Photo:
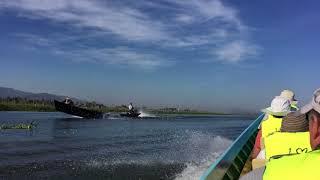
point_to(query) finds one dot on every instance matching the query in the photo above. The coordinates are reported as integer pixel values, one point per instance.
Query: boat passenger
(291, 97)
(68, 101)
(130, 107)
(293, 136)
(271, 123)
(304, 165)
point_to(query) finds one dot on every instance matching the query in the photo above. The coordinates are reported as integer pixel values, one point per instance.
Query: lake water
(62, 147)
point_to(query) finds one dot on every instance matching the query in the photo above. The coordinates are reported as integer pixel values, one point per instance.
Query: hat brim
(305, 109)
(269, 111)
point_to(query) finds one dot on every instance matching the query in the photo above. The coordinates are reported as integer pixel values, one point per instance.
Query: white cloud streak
(120, 56)
(202, 24)
(236, 51)
(210, 10)
(127, 23)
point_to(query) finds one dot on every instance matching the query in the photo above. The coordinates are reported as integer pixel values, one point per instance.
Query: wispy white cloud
(126, 22)
(36, 40)
(210, 10)
(210, 26)
(123, 56)
(236, 51)
(184, 18)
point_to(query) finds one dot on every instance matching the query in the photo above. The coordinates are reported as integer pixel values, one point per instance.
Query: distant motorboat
(130, 114)
(77, 111)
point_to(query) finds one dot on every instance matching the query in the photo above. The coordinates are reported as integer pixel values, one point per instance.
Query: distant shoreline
(47, 108)
(156, 113)
(162, 114)
(19, 104)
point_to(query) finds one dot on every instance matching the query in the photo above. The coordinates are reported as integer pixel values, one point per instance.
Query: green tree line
(24, 104)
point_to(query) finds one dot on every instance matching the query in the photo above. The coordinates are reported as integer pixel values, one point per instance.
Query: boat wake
(195, 169)
(146, 115)
(191, 158)
(73, 116)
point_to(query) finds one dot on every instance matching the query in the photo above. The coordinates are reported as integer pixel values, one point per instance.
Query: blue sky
(223, 55)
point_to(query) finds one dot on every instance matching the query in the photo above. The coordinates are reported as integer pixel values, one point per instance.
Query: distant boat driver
(131, 108)
(68, 101)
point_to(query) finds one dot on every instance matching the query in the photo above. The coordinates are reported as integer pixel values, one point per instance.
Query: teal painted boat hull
(230, 164)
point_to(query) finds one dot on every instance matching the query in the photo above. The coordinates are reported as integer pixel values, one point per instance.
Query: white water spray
(216, 146)
(145, 114)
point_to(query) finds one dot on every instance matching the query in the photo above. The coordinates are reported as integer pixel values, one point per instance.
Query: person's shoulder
(265, 117)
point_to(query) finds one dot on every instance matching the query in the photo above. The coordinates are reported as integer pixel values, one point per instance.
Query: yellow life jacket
(294, 167)
(284, 143)
(271, 125)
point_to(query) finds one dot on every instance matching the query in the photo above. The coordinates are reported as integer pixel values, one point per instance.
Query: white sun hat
(289, 95)
(314, 104)
(280, 106)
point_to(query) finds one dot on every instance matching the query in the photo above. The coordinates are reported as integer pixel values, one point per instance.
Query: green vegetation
(23, 104)
(18, 126)
(20, 104)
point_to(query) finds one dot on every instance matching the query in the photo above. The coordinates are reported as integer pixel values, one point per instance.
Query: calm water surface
(62, 147)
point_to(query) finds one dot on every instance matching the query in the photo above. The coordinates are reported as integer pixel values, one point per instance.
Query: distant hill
(10, 92)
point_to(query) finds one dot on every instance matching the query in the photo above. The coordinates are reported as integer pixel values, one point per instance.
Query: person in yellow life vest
(279, 108)
(303, 165)
(293, 138)
(288, 94)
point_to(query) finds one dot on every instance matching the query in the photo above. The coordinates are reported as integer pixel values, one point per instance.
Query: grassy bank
(19, 104)
(27, 107)
(51, 108)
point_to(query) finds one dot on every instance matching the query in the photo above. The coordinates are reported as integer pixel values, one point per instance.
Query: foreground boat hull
(76, 111)
(230, 165)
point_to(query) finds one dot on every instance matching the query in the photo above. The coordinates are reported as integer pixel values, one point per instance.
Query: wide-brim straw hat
(294, 122)
(280, 106)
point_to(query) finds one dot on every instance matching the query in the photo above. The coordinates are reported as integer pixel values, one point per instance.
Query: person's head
(280, 106)
(312, 110)
(288, 94)
(314, 128)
